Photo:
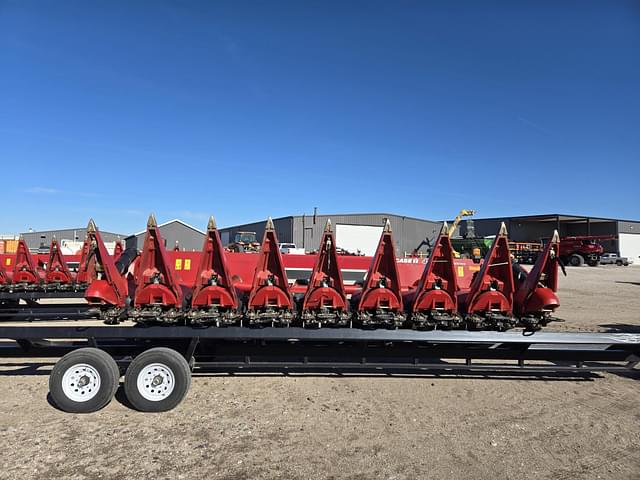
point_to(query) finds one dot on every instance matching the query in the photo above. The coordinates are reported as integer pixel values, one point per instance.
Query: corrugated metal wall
(628, 227)
(407, 232)
(42, 240)
(305, 231)
(188, 238)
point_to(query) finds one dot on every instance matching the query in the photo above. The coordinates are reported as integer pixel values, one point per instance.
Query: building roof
(175, 220)
(331, 215)
(67, 229)
(552, 217)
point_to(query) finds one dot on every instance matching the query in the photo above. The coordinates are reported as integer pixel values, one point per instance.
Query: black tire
(576, 260)
(619, 263)
(101, 367)
(174, 368)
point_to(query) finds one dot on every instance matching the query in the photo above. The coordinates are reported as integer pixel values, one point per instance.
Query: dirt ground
(349, 426)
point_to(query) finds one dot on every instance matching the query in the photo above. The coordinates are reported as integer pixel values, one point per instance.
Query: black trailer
(157, 361)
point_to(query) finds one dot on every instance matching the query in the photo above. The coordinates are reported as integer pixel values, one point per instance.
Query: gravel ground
(352, 427)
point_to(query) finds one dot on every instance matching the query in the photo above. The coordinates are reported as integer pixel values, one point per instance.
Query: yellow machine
(475, 253)
(456, 222)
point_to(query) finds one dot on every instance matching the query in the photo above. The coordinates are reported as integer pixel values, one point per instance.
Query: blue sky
(244, 110)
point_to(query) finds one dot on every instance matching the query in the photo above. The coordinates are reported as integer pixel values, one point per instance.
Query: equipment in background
(456, 221)
(58, 276)
(525, 252)
(578, 250)
(117, 250)
(244, 242)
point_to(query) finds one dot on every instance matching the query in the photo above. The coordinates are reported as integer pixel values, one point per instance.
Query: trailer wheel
(576, 260)
(84, 380)
(157, 380)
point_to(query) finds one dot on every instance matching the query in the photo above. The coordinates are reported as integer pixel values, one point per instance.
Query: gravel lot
(352, 427)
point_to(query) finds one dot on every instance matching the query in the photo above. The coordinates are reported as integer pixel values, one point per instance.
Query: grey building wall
(306, 230)
(408, 232)
(42, 240)
(283, 226)
(625, 226)
(188, 237)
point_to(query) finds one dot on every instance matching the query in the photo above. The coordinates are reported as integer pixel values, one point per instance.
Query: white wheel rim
(81, 382)
(156, 382)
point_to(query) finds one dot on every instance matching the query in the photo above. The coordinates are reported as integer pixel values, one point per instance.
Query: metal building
(354, 231)
(40, 241)
(532, 228)
(188, 237)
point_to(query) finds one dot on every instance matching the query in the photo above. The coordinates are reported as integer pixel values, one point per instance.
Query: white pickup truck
(291, 249)
(611, 258)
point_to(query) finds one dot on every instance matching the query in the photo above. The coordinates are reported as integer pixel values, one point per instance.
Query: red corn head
(434, 301)
(107, 289)
(82, 276)
(214, 299)
(325, 301)
(535, 299)
(380, 300)
(25, 273)
(158, 296)
(4, 277)
(270, 299)
(58, 274)
(489, 302)
(117, 250)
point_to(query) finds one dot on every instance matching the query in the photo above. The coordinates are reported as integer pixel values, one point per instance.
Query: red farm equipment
(107, 289)
(379, 303)
(240, 289)
(434, 302)
(238, 311)
(58, 276)
(489, 301)
(25, 272)
(325, 301)
(270, 300)
(158, 296)
(535, 299)
(214, 299)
